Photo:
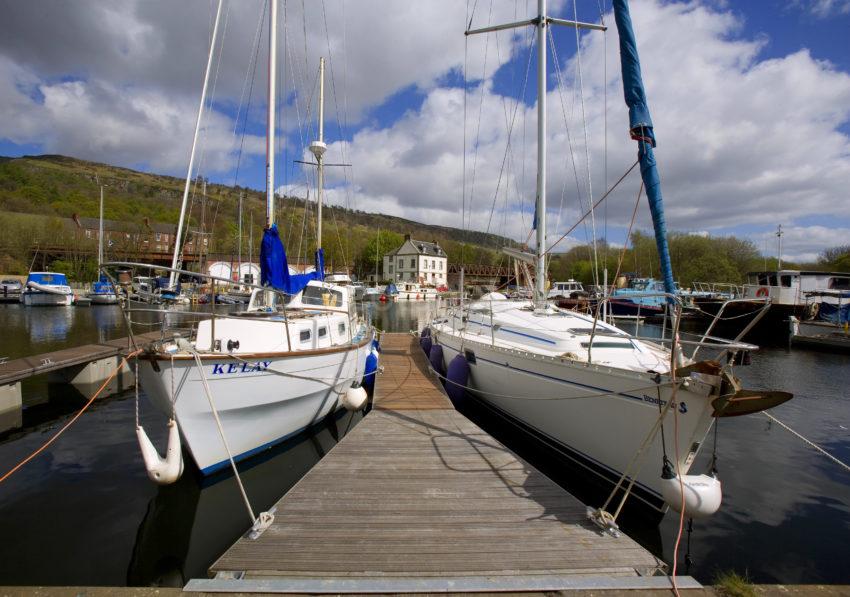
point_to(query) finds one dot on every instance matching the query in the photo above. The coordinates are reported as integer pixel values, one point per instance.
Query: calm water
(84, 512)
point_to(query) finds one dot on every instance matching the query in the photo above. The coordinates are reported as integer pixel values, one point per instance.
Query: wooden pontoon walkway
(15, 370)
(418, 498)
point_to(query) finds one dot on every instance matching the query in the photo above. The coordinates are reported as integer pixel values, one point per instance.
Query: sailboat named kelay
(609, 400)
(247, 380)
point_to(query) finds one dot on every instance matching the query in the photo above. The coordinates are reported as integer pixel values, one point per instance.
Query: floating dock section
(418, 498)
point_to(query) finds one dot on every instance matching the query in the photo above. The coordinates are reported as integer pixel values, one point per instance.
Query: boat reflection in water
(190, 523)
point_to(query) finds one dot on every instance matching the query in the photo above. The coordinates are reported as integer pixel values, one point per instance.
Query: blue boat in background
(643, 297)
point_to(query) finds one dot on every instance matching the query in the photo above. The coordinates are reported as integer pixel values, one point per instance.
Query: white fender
(702, 494)
(354, 398)
(162, 471)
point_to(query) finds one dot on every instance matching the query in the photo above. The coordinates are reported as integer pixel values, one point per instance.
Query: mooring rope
(812, 444)
(73, 419)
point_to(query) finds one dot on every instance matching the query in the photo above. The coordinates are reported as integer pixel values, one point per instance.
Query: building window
(88, 233)
(413, 263)
(433, 264)
(158, 237)
(400, 262)
(391, 270)
(441, 266)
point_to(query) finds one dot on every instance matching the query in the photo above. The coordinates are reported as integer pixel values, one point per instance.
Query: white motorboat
(257, 377)
(47, 289)
(413, 291)
(588, 389)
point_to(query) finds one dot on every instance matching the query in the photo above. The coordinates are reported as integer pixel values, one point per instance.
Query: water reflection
(84, 512)
(189, 524)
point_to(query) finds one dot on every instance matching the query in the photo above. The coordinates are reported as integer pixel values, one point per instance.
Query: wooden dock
(15, 370)
(418, 498)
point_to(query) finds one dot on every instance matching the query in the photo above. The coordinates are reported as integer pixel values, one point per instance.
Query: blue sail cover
(274, 269)
(640, 127)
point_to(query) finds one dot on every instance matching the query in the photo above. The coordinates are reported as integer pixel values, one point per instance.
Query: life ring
(762, 292)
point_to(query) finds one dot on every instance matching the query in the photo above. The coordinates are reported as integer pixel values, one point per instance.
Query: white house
(417, 261)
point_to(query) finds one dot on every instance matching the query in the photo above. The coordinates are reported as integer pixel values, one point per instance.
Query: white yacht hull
(261, 399)
(601, 433)
(33, 298)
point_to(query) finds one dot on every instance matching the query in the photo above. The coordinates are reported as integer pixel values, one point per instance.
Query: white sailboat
(102, 292)
(298, 353)
(587, 388)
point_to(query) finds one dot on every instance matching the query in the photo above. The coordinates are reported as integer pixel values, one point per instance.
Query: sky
(750, 102)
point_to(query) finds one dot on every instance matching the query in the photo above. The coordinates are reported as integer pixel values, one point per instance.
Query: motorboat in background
(103, 292)
(413, 291)
(10, 290)
(787, 292)
(48, 289)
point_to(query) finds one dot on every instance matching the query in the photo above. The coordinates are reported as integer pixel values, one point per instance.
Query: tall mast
(540, 22)
(177, 243)
(540, 206)
(270, 135)
(779, 254)
(239, 270)
(319, 148)
(100, 233)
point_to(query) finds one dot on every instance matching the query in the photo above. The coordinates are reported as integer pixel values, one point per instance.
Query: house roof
(422, 248)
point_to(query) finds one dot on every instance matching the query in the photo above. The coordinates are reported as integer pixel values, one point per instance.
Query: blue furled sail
(274, 269)
(640, 128)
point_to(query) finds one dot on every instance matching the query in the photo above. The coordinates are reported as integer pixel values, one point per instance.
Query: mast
(177, 243)
(779, 255)
(270, 135)
(540, 205)
(319, 148)
(540, 22)
(100, 234)
(239, 252)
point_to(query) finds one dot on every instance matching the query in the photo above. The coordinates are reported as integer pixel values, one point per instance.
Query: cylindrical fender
(457, 378)
(436, 358)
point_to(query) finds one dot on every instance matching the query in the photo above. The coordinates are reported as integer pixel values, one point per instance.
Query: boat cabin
(790, 287)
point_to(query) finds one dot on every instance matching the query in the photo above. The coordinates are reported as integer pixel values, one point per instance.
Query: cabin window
(316, 295)
(839, 283)
(304, 336)
(785, 281)
(323, 332)
(341, 329)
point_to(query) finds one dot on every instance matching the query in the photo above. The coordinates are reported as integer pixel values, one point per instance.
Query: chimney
(406, 237)
(147, 222)
(76, 219)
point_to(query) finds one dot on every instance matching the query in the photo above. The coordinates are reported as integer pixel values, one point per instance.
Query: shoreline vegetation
(42, 199)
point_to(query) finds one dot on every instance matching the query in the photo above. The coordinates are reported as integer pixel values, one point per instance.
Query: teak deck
(418, 498)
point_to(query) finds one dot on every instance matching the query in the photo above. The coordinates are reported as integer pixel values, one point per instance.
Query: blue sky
(751, 102)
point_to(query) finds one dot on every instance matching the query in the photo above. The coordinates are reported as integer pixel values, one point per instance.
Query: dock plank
(416, 490)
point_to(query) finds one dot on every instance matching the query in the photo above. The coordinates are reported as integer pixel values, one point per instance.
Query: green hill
(54, 186)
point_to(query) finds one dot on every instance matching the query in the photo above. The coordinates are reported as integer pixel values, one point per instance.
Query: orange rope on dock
(73, 420)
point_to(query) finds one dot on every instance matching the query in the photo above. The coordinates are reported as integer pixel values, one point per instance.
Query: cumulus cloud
(742, 140)
(824, 8)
